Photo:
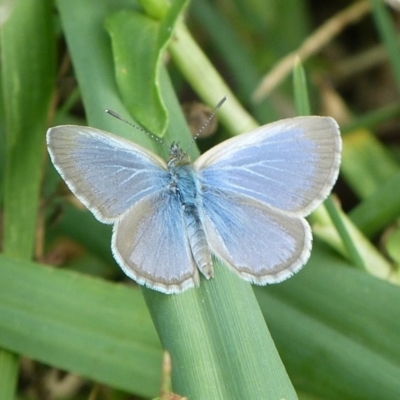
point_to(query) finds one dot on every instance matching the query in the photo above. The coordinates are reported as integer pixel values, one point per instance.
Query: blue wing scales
(290, 164)
(107, 173)
(261, 244)
(150, 244)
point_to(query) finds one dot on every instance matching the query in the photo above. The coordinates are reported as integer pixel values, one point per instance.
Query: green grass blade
(300, 89)
(97, 329)
(344, 234)
(337, 329)
(388, 35)
(9, 365)
(237, 57)
(375, 263)
(373, 118)
(303, 107)
(379, 209)
(27, 73)
(339, 325)
(83, 228)
(27, 83)
(205, 80)
(219, 341)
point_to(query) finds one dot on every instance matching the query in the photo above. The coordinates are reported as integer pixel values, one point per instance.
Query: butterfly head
(177, 156)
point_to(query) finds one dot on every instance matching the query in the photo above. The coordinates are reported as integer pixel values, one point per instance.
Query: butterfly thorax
(184, 183)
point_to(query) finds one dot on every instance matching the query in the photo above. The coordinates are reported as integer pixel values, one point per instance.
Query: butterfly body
(243, 201)
(185, 186)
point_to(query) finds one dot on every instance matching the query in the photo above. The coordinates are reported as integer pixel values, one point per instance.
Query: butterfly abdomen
(198, 242)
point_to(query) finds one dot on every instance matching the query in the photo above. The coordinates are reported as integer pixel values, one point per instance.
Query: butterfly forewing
(107, 173)
(291, 164)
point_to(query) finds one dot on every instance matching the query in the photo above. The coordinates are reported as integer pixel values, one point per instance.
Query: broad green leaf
(138, 43)
(336, 329)
(94, 328)
(156, 8)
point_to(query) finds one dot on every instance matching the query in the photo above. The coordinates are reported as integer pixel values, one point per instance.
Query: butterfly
(244, 201)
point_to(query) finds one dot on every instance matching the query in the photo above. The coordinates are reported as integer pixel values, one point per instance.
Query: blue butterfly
(243, 201)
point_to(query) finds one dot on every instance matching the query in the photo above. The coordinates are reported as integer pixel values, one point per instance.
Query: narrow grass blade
(27, 73)
(388, 33)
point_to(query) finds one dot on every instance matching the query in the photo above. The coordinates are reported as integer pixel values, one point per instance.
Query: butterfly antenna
(150, 135)
(200, 131)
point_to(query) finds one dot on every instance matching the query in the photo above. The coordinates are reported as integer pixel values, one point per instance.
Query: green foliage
(138, 42)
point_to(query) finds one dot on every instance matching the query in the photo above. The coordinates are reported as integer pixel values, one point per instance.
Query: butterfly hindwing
(261, 244)
(150, 244)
